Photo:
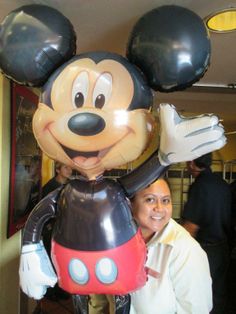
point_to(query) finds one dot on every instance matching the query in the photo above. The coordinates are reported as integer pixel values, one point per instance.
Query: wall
(9, 248)
(48, 169)
(228, 152)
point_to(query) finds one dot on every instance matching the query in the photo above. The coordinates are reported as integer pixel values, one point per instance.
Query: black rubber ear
(35, 40)
(171, 46)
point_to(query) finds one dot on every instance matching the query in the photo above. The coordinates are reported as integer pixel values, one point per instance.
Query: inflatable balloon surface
(172, 45)
(35, 39)
(94, 115)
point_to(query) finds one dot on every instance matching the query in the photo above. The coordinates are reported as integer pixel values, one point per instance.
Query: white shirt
(183, 285)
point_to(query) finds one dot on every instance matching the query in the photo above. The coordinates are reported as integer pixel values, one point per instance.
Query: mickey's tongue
(82, 158)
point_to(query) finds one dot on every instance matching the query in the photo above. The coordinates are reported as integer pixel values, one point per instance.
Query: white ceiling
(106, 25)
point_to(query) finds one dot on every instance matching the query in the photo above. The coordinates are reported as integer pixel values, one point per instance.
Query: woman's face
(65, 171)
(152, 208)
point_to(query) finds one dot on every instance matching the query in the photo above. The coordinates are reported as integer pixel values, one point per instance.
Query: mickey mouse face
(93, 112)
(92, 121)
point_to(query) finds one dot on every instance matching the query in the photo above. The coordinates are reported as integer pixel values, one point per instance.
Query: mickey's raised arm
(181, 139)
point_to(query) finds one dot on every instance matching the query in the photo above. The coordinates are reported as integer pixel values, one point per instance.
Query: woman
(179, 279)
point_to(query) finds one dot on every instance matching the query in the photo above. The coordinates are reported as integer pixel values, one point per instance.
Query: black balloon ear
(171, 45)
(35, 40)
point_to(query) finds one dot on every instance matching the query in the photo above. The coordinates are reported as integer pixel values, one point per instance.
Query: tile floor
(54, 307)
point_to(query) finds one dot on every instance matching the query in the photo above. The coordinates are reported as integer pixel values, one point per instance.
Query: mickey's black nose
(86, 124)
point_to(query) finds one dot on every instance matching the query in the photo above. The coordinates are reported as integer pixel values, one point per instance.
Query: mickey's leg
(122, 304)
(80, 303)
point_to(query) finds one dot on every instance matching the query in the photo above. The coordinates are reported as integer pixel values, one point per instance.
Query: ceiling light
(222, 21)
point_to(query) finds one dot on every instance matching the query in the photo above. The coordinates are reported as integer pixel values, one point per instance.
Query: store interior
(106, 25)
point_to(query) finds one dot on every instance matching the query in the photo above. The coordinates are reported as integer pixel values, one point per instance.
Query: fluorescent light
(222, 21)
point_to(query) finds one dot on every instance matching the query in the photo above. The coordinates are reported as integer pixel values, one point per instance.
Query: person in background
(233, 215)
(30, 189)
(62, 176)
(207, 216)
(22, 189)
(231, 278)
(178, 271)
(63, 173)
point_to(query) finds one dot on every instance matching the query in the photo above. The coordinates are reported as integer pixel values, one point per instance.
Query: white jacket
(183, 285)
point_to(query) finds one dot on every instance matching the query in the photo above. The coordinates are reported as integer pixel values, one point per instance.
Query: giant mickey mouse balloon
(94, 115)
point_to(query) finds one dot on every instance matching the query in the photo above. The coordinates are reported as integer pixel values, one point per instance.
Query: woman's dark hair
(163, 177)
(58, 165)
(204, 161)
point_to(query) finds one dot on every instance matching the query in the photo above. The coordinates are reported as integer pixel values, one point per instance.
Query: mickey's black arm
(43, 211)
(143, 175)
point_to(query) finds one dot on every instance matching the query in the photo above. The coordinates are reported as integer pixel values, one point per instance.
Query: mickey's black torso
(93, 215)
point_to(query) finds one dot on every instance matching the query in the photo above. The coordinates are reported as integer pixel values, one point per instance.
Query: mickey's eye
(80, 89)
(100, 101)
(79, 99)
(102, 90)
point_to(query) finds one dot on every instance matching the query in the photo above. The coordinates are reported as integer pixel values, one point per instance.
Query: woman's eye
(150, 200)
(80, 89)
(102, 90)
(166, 201)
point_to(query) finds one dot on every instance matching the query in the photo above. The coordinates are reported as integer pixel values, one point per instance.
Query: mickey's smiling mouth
(75, 153)
(86, 159)
(89, 159)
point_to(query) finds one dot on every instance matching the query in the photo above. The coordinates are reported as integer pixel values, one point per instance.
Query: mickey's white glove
(36, 272)
(185, 139)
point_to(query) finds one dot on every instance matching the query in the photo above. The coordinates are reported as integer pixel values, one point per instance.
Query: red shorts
(129, 260)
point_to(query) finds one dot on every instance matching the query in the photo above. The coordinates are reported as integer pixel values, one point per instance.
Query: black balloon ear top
(170, 45)
(34, 41)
